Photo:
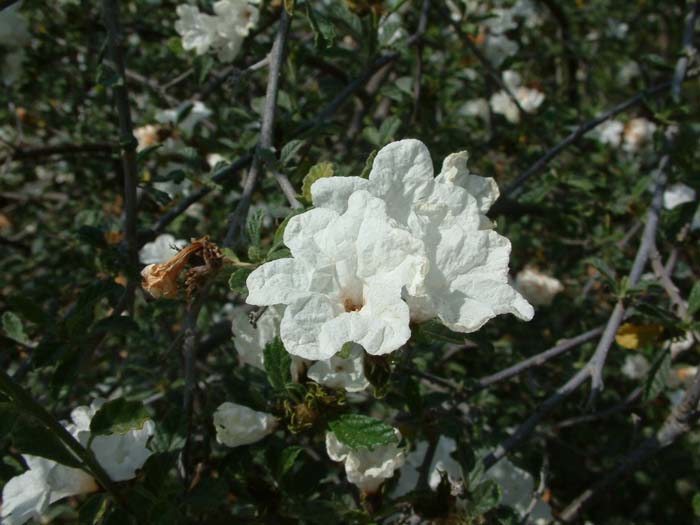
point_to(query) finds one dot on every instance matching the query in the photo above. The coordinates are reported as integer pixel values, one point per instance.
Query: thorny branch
(234, 236)
(110, 15)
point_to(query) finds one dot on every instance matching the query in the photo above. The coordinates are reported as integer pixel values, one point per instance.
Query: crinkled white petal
(238, 425)
(537, 287)
(497, 48)
(455, 173)
(503, 104)
(366, 469)
(163, 248)
(279, 282)
(678, 194)
(338, 372)
(251, 340)
(345, 280)
(465, 282)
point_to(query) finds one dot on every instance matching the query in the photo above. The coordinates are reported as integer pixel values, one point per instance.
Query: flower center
(350, 306)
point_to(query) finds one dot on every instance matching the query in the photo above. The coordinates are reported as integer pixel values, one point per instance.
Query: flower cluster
(223, 32)
(121, 455)
(633, 136)
(529, 98)
(377, 254)
(537, 287)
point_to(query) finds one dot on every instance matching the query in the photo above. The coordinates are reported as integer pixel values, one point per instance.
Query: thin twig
(418, 76)
(579, 132)
(234, 236)
(537, 360)
(680, 421)
(31, 153)
(597, 362)
(110, 15)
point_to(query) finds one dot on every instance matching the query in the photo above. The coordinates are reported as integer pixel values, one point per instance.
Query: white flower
(609, 132)
(635, 367)
(529, 99)
(121, 455)
(146, 136)
(238, 425)
(251, 340)
(528, 11)
(340, 372)
(467, 279)
(498, 47)
(224, 32)
(678, 194)
(215, 158)
(442, 462)
(344, 281)
(366, 469)
(617, 29)
(198, 112)
(681, 345)
(628, 71)
(29, 495)
(163, 248)
(537, 287)
(517, 487)
(478, 107)
(638, 132)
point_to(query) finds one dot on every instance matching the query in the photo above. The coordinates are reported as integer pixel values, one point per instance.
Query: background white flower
(344, 281)
(467, 279)
(635, 366)
(529, 98)
(442, 462)
(637, 134)
(366, 469)
(161, 249)
(223, 32)
(678, 194)
(342, 372)
(238, 425)
(121, 455)
(29, 495)
(609, 132)
(198, 112)
(537, 287)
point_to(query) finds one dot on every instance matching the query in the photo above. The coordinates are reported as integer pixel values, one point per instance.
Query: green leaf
(118, 417)
(29, 436)
(145, 152)
(368, 164)
(694, 300)
(485, 497)
(289, 6)
(289, 150)
(696, 504)
(317, 171)
(388, 129)
(277, 363)
(289, 456)
(323, 28)
(358, 431)
(658, 375)
(12, 326)
(253, 226)
(238, 279)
